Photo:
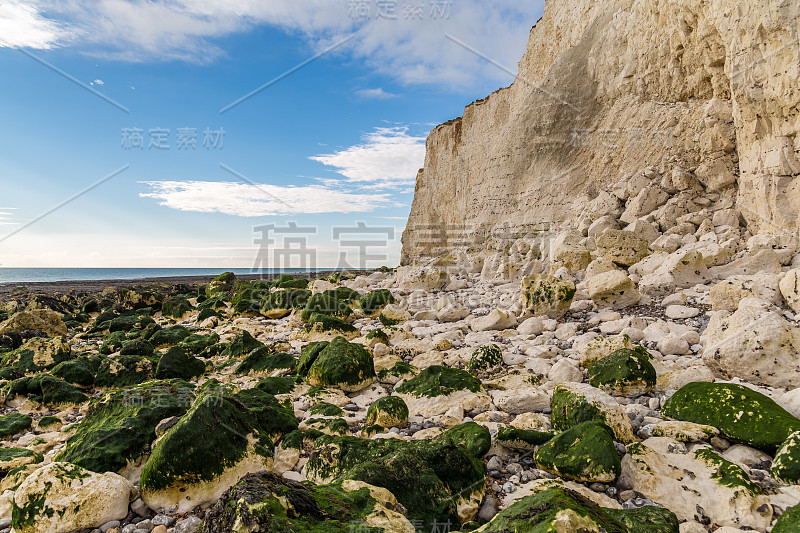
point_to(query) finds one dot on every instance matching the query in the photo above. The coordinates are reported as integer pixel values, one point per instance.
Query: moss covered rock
(329, 426)
(344, 365)
(264, 361)
(280, 303)
(119, 427)
(177, 363)
(575, 403)
(212, 446)
(789, 521)
(786, 465)
(326, 304)
(485, 358)
(79, 371)
(624, 372)
(583, 453)
(439, 380)
(326, 409)
(546, 295)
(129, 322)
(741, 414)
(112, 342)
(47, 390)
(436, 480)
(475, 438)
(34, 356)
(176, 307)
(136, 347)
(242, 344)
(260, 501)
(169, 336)
(124, 371)
(561, 509)
(522, 439)
(389, 411)
(274, 419)
(11, 458)
(375, 300)
(14, 423)
(221, 286)
(308, 355)
(277, 385)
(196, 343)
(320, 322)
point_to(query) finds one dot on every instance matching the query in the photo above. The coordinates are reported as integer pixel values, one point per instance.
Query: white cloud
(98, 81)
(21, 24)
(377, 94)
(245, 200)
(408, 48)
(388, 157)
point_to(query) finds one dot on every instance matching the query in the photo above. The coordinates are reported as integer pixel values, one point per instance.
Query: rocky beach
(595, 326)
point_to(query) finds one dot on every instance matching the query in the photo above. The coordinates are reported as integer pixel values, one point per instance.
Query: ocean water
(23, 275)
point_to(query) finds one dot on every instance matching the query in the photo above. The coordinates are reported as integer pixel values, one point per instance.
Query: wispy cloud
(22, 24)
(376, 94)
(388, 157)
(246, 200)
(410, 47)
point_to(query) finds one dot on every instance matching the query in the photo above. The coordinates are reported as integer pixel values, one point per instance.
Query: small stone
(681, 311)
(159, 529)
(163, 520)
(488, 510)
(140, 508)
(187, 525)
(108, 525)
(654, 403)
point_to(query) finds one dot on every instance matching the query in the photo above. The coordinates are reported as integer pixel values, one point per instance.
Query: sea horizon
(11, 275)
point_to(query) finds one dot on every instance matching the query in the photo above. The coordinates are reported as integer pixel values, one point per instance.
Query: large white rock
(452, 312)
(611, 412)
(756, 343)
(497, 319)
(679, 270)
(600, 347)
(685, 479)
(66, 497)
(726, 295)
(521, 400)
(613, 289)
(427, 278)
(790, 289)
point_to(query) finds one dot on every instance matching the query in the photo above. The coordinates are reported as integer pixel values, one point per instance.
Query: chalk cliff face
(636, 108)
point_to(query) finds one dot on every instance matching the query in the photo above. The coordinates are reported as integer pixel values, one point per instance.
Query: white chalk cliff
(641, 109)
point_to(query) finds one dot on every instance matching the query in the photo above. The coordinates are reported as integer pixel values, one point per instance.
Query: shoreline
(93, 286)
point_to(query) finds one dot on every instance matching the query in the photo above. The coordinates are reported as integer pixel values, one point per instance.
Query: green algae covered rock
(389, 411)
(484, 358)
(624, 372)
(176, 307)
(308, 355)
(176, 363)
(124, 371)
(344, 365)
(741, 414)
(169, 336)
(546, 295)
(221, 286)
(522, 439)
(196, 343)
(36, 355)
(119, 427)
(328, 426)
(274, 418)
(433, 479)
(242, 344)
(439, 380)
(294, 283)
(263, 360)
(136, 347)
(11, 458)
(327, 409)
(575, 403)
(320, 322)
(374, 300)
(562, 509)
(112, 342)
(47, 390)
(789, 521)
(280, 303)
(212, 446)
(475, 438)
(583, 453)
(786, 465)
(260, 501)
(14, 423)
(277, 385)
(326, 304)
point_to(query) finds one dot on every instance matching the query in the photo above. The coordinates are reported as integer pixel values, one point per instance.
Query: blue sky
(331, 145)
